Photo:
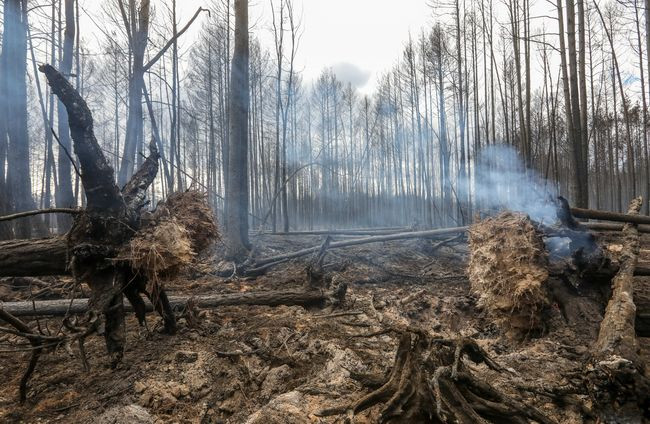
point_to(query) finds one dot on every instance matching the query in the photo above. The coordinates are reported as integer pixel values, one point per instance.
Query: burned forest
(225, 211)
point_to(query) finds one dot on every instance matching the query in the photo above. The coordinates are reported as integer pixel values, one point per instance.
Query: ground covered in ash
(253, 364)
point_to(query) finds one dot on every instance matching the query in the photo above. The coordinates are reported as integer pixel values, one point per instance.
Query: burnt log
(610, 226)
(616, 378)
(61, 307)
(616, 334)
(34, 257)
(610, 216)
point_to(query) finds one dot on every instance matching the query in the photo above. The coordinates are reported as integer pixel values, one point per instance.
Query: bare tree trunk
(137, 29)
(584, 133)
(64, 195)
(236, 225)
(18, 183)
(580, 190)
(646, 155)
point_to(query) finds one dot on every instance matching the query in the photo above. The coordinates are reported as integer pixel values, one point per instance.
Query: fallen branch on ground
(366, 240)
(264, 298)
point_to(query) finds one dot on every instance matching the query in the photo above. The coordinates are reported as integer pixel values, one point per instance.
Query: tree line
(567, 90)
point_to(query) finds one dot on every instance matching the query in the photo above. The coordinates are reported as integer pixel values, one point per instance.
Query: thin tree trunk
(236, 225)
(64, 195)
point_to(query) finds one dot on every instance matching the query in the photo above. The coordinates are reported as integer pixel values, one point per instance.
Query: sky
(359, 39)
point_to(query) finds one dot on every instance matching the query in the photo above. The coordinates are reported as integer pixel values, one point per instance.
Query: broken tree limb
(366, 240)
(96, 174)
(38, 212)
(60, 307)
(135, 191)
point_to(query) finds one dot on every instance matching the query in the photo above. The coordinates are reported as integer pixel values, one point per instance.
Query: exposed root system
(430, 382)
(508, 270)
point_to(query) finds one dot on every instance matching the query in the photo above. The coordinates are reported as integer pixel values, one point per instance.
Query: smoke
(502, 181)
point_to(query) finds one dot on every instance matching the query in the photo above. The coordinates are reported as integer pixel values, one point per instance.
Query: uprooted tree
(118, 249)
(90, 249)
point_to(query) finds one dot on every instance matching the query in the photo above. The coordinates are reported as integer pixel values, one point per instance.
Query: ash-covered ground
(295, 361)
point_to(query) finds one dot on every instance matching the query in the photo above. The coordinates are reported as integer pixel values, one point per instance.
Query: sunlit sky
(359, 39)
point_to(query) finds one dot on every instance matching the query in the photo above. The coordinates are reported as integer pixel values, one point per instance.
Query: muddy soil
(284, 364)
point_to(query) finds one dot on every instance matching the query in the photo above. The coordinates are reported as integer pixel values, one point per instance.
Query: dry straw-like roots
(175, 233)
(191, 209)
(161, 250)
(508, 270)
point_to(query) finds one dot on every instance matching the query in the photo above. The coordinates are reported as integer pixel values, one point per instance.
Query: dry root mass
(172, 236)
(508, 270)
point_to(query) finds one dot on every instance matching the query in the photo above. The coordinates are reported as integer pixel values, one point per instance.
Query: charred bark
(33, 257)
(110, 220)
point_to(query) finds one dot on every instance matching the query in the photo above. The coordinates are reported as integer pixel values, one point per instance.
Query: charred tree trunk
(33, 257)
(110, 220)
(18, 187)
(264, 298)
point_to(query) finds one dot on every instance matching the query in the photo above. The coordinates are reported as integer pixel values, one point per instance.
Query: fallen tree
(616, 376)
(523, 273)
(34, 257)
(610, 216)
(90, 249)
(306, 298)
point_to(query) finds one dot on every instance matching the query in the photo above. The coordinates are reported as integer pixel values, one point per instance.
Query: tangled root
(171, 237)
(429, 382)
(159, 251)
(508, 270)
(191, 209)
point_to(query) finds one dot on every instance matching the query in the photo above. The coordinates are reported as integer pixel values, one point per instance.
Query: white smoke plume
(501, 181)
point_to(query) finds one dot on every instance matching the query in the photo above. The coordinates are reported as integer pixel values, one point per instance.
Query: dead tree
(237, 193)
(111, 218)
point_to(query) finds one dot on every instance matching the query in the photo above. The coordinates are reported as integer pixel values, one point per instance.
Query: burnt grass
(296, 361)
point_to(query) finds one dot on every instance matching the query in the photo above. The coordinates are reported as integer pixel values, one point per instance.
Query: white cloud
(350, 73)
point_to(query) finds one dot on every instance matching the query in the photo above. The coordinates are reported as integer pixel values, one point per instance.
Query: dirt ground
(296, 361)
